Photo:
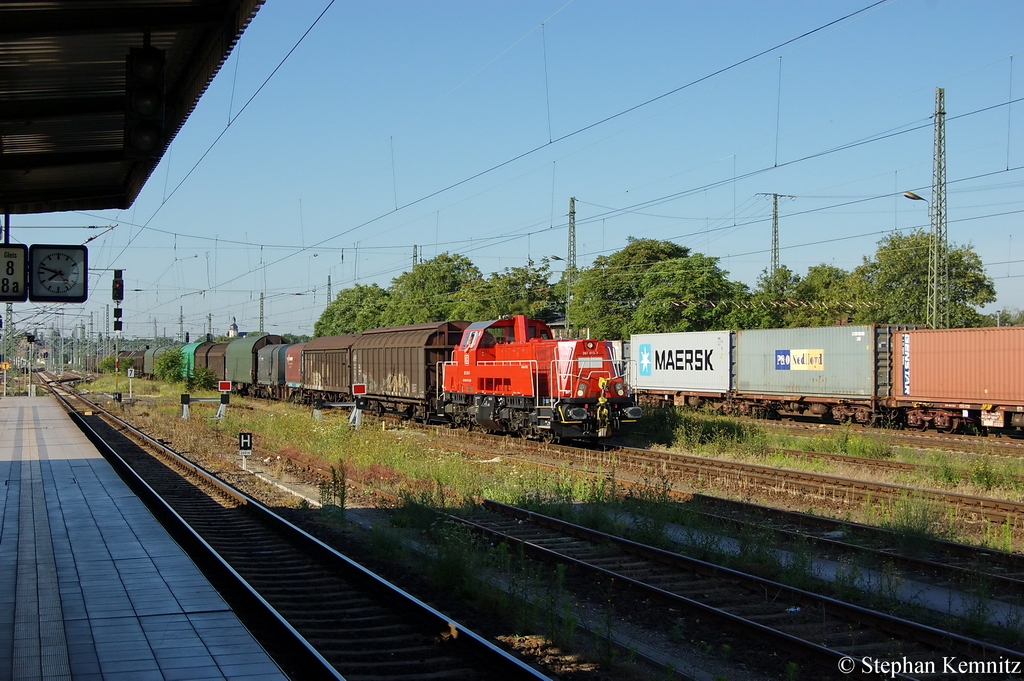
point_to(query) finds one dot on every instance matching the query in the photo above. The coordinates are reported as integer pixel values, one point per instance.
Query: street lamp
(937, 309)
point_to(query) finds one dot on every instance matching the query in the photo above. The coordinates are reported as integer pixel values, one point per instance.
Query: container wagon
(951, 378)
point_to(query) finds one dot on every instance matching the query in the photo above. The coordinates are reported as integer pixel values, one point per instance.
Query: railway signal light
(118, 288)
(144, 103)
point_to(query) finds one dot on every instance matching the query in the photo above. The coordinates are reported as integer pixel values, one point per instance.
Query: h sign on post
(224, 386)
(244, 447)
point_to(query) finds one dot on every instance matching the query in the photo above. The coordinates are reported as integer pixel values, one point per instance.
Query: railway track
(837, 489)
(362, 626)
(981, 444)
(832, 636)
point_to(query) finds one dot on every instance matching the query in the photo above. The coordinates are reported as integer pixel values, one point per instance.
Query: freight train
(506, 376)
(886, 375)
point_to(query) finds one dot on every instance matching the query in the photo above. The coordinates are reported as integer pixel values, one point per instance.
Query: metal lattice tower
(570, 270)
(261, 313)
(937, 313)
(775, 228)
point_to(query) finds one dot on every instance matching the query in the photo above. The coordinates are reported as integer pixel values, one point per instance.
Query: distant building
(233, 329)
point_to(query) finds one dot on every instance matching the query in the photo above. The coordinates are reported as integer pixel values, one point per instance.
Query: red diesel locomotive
(512, 376)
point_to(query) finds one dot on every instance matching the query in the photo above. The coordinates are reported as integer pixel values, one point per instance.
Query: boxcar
(240, 360)
(326, 368)
(212, 357)
(954, 377)
(293, 365)
(400, 365)
(270, 368)
(188, 357)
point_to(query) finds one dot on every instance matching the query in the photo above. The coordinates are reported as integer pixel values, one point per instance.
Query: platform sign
(13, 273)
(245, 444)
(131, 373)
(358, 388)
(224, 386)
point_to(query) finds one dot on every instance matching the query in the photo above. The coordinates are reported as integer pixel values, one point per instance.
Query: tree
(823, 298)
(690, 293)
(768, 305)
(517, 290)
(606, 295)
(1009, 316)
(427, 293)
(895, 283)
(353, 310)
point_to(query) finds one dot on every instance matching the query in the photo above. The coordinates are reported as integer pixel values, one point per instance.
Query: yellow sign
(4, 366)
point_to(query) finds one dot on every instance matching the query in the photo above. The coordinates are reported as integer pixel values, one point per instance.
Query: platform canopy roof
(62, 91)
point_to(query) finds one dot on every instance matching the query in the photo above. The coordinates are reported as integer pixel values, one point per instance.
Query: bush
(168, 365)
(202, 378)
(106, 365)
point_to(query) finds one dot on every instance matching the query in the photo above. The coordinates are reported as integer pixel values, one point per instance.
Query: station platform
(91, 586)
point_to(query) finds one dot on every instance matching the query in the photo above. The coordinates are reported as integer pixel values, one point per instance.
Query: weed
(332, 496)
(385, 543)
(792, 671)
(944, 471)
(677, 633)
(984, 474)
(913, 519)
(848, 580)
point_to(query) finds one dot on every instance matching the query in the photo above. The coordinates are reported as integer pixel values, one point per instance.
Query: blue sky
(465, 127)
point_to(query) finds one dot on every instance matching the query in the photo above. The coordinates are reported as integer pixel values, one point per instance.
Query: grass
(700, 433)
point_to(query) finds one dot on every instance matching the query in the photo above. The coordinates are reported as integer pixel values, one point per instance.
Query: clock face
(58, 273)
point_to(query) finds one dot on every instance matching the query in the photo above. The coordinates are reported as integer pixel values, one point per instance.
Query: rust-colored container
(971, 366)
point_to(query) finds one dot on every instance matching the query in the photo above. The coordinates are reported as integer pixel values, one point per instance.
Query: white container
(696, 361)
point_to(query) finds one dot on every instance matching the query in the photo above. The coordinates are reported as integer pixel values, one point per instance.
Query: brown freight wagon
(212, 357)
(326, 368)
(399, 366)
(950, 378)
(293, 366)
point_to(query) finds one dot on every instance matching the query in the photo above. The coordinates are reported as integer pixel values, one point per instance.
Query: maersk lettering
(683, 360)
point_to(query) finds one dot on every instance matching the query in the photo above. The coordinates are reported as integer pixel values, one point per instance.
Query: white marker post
(244, 447)
(131, 375)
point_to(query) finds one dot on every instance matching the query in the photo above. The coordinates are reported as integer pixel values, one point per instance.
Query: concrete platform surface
(91, 586)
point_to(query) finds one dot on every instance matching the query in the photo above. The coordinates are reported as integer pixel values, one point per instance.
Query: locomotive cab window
(544, 333)
(495, 335)
(470, 340)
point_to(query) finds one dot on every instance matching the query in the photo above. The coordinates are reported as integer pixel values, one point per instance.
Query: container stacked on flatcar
(886, 374)
(949, 378)
(842, 372)
(683, 368)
